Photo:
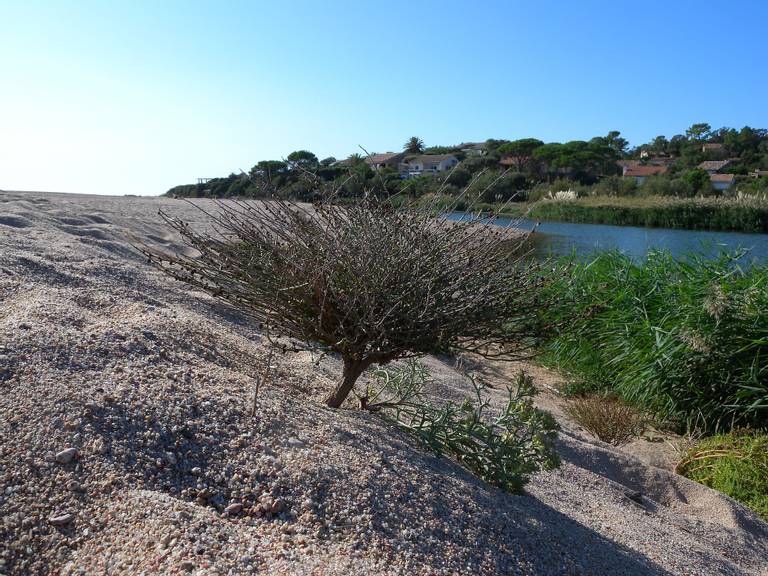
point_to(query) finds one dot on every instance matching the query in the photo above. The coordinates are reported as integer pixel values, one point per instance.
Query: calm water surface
(561, 238)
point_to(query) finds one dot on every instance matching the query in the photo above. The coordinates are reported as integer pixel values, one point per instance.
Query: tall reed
(749, 215)
(685, 339)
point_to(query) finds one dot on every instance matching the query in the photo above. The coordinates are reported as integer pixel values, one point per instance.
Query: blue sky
(134, 97)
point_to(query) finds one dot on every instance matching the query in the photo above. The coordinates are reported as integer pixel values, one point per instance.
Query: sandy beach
(128, 444)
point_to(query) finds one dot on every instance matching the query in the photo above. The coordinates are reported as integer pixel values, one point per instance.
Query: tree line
(530, 166)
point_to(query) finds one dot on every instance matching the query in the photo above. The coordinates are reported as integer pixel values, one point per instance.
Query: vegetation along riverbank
(745, 214)
(684, 342)
(683, 339)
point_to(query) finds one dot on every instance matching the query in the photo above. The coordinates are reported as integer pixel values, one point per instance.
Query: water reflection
(561, 238)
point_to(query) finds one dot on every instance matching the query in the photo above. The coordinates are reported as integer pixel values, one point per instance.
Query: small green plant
(607, 418)
(735, 464)
(502, 447)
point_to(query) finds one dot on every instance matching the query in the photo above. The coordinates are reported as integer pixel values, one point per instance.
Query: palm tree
(355, 159)
(415, 145)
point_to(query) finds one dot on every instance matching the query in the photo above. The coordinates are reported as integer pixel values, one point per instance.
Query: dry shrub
(606, 418)
(368, 281)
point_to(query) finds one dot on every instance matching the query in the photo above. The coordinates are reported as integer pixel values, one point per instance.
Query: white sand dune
(152, 384)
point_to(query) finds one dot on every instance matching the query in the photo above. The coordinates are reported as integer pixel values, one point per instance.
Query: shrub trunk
(350, 374)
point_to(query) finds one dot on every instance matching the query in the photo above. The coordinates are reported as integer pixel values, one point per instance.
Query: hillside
(703, 162)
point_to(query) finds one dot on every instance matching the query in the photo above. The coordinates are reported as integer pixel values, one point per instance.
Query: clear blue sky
(135, 97)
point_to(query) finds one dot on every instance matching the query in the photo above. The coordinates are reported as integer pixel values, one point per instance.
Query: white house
(640, 173)
(428, 164)
(472, 149)
(722, 181)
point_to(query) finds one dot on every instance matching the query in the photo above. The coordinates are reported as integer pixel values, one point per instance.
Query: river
(563, 238)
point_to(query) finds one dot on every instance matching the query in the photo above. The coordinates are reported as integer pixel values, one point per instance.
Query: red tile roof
(714, 164)
(389, 157)
(722, 177)
(636, 171)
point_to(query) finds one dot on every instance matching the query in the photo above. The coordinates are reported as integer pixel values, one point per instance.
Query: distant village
(701, 162)
(410, 166)
(655, 165)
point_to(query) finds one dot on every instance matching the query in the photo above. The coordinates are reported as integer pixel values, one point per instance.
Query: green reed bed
(744, 215)
(686, 340)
